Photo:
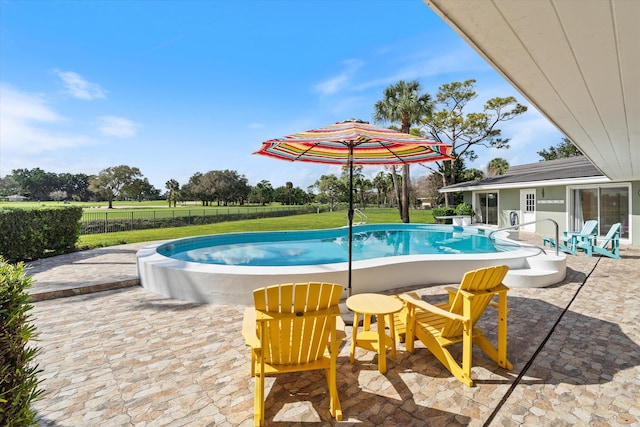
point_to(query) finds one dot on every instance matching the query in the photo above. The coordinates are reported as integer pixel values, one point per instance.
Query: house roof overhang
(525, 184)
(577, 62)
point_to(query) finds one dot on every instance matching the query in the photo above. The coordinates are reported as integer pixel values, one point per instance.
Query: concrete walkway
(114, 354)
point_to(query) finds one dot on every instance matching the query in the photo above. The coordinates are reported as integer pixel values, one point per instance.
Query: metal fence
(114, 220)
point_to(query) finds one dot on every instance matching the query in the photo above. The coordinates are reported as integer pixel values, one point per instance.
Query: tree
(497, 166)
(360, 183)
(9, 186)
(403, 103)
(471, 174)
(231, 187)
(76, 185)
(139, 189)
(58, 195)
(110, 181)
(262, 193)
(173, 195)
(289, 187)
(330, 190)
(466, 131)
(433, 185)
(290, 195)
(563, 150)
(222, 186)
(195, 189)
(37, 183)
(381, 184)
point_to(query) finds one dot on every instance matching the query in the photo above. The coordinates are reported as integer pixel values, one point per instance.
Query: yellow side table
(374, 305)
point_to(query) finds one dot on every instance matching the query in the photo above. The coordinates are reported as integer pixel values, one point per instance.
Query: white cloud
(78, 87)
(118, 127)
(27, 122)
(340, 81)
(256, 125)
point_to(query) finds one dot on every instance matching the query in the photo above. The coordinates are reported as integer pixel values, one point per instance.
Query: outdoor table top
(374, 304)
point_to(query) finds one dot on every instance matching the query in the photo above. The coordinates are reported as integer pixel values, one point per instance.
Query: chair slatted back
(295, 321)
(589, 227)
(478, 285)
(612, 235)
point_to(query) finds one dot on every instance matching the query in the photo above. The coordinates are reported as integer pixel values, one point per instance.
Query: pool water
(316, 247)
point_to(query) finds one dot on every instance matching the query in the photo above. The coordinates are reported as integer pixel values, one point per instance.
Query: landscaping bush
(29, 234)
(19, 385)
(436, 212)
(464, 209)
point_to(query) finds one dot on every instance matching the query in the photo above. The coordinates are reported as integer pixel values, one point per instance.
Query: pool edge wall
(222, 284)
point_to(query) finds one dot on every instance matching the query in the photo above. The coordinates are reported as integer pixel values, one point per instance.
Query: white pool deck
(529, 266)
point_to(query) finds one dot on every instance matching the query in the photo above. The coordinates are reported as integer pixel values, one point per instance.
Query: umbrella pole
(350, 214)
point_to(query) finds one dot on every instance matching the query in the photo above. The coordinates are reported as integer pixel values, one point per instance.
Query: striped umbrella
(355, 142)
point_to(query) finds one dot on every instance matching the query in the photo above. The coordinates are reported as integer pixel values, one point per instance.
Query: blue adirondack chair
(570, 239)
(613, 236)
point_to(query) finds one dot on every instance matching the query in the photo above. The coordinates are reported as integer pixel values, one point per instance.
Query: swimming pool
(386, 257)
(314, 247)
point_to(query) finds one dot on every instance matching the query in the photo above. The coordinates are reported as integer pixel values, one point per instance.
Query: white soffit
(577, 61)
(530, 184)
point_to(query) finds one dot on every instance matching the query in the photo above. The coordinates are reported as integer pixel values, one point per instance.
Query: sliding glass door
(487, 208)
(606, 204)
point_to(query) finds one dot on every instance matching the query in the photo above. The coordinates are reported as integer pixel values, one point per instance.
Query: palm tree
(174, 187)
(380, 184)
(404, 104)
(289, 186)
(497, 166)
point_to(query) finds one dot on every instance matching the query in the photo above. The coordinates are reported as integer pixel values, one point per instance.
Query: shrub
(436, 212)
(29, 234)
(464, 209)
(18, 374)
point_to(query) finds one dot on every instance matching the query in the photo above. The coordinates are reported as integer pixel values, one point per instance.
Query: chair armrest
(249, 328)
(431, 308)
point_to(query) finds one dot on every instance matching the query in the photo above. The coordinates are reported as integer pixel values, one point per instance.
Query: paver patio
(126, 356)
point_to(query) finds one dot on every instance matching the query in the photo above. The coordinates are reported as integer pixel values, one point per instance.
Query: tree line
(443, 117)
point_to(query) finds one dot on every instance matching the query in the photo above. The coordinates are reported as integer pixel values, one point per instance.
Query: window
(530, 202)
(606, 204)
(487, 208)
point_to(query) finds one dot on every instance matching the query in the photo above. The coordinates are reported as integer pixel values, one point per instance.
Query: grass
(124, 206)
(297, 222)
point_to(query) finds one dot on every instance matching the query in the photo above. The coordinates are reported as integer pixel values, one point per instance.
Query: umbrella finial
(352, 120)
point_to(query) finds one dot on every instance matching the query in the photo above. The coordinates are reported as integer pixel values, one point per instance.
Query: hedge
(19, 384)
(29, 234)
(436, 212)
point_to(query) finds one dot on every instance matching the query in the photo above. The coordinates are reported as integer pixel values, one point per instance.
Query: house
(580, 73)
(568, 191)
(16, 198)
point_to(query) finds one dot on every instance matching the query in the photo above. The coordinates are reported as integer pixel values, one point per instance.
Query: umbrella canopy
(369, 145)
(355, 142)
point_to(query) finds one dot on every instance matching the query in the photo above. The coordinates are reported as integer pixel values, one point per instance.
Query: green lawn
(124, 206)
(297, 222)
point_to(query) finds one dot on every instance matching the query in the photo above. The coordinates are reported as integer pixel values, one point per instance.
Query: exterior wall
(553, 204)
(508, 201)
(635, 213)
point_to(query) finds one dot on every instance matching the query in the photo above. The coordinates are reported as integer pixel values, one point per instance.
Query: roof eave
(545, 183)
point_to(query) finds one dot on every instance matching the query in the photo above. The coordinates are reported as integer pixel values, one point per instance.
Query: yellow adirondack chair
(439, 326)
(293, 328)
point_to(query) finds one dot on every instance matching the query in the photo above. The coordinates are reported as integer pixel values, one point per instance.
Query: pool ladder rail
(362, 217)
(541, 269)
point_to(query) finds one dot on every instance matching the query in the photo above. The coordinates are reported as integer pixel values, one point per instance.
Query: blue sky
(179, 87)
